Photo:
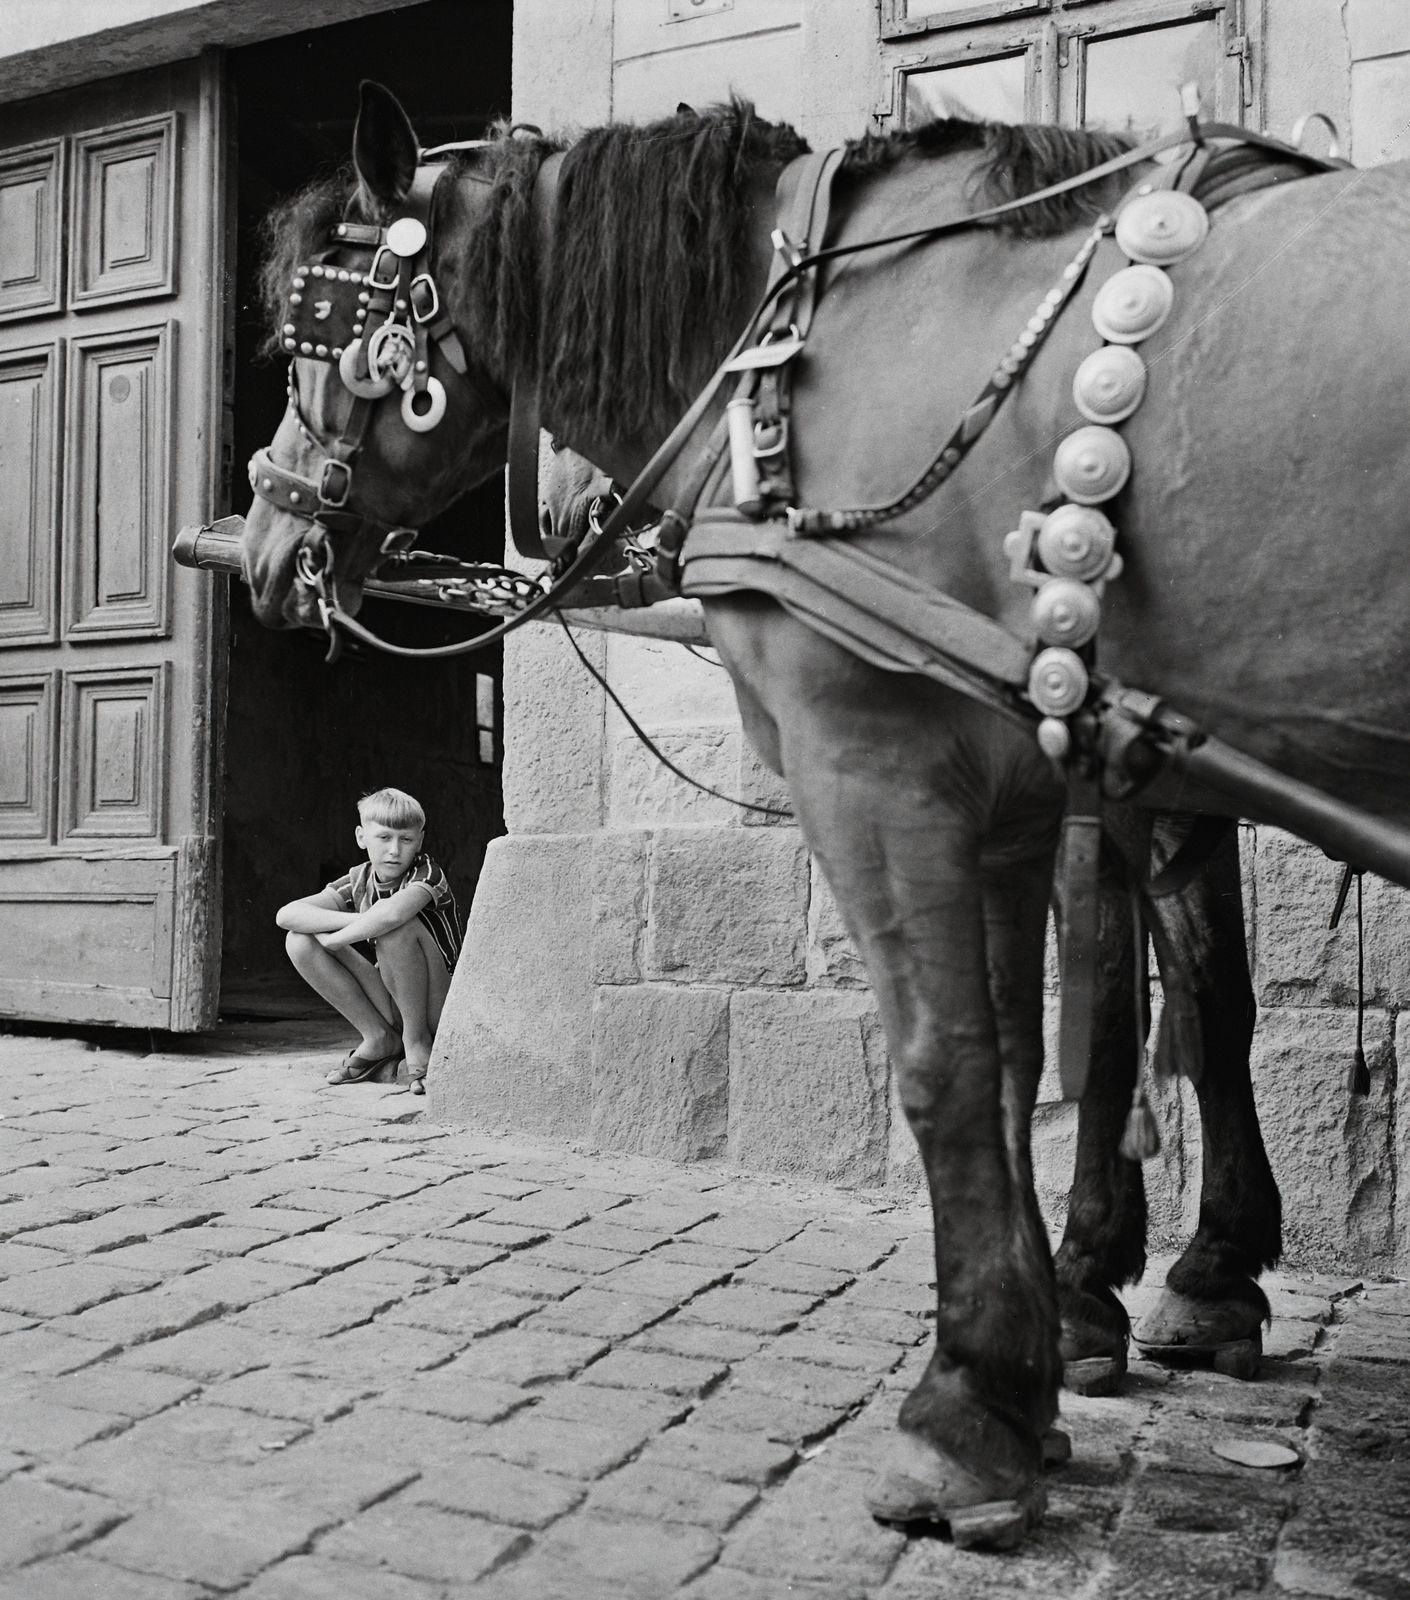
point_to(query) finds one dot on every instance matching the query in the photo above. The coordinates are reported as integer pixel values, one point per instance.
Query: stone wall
(650, 970)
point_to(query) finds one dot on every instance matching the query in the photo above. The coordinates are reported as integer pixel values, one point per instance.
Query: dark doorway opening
(303, 740)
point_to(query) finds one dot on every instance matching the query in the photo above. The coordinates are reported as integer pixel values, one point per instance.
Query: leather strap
(522, 466)
(1079, 867)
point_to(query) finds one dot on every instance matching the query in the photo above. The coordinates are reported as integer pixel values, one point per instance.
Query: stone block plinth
(660, 1070)
(808, 1084)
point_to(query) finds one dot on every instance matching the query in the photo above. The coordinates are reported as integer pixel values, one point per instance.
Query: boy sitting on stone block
(399, 899)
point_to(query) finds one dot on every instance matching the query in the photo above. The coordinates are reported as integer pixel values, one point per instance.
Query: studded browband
(369, 305)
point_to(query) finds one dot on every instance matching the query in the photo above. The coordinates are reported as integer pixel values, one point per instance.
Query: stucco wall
(651, 970)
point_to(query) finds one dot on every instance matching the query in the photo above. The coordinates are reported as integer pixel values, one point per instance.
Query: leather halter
(403, 288)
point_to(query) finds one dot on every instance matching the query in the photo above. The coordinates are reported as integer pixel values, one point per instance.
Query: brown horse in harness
(1242, 601)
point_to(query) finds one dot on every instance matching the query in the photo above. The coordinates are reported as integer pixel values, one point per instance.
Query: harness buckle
(374, 281)
(332, 490)
(424, 293)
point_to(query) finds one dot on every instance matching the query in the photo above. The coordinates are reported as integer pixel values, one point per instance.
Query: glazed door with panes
(1112, 64)
(113, 379)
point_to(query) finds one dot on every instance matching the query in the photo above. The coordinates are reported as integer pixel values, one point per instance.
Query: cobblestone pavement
(262, 1336)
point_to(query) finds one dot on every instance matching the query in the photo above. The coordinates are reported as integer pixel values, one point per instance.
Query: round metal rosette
(1132, 304)
(1057, 682)
(407, 237)
(424, 421)
(1162, 228)
(390, 352)
(1076, 542)
(1110, 384)
(1092, 465)
(1066, 612)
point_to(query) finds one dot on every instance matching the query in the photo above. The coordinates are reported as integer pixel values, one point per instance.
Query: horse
(1242, 602)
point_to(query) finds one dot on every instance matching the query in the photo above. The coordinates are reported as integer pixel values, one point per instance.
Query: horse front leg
(894, 782)
(1212, 1303)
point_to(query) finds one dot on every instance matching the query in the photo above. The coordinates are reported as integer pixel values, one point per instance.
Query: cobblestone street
(266, 1337)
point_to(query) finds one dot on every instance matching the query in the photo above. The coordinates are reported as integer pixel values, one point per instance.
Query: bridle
(370, 305)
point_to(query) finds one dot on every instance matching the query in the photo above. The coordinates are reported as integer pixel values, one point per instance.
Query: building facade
(650, 969)
(646, 968)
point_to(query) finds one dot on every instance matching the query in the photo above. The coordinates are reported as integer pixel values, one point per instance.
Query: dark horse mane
(643, 290)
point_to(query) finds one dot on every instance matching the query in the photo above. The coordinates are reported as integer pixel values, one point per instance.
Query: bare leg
(415, 972)
(352, 987)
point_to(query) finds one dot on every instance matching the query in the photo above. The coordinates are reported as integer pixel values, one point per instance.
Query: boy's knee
(298, 944)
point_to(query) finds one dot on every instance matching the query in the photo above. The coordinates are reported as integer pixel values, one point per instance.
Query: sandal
(354, 1068)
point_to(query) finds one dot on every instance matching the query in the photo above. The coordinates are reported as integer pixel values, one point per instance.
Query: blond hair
(393, 808)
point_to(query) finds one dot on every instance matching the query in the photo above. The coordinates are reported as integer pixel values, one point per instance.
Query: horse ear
(384, 145)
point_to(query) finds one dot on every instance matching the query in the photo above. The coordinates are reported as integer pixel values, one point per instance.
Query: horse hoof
(1242, 1359)
(1178, 1324)
(1057, 1447)
(924, 1483)
(999, 1525)
(1094, 1376)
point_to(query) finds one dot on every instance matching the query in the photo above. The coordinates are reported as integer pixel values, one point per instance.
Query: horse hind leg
(1212, 1305)
(1104, 1238)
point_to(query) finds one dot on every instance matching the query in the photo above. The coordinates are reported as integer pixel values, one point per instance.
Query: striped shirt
(359, 890)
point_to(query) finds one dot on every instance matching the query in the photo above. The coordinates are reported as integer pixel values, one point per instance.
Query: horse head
(387, 421)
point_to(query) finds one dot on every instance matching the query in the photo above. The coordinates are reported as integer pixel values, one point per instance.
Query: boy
(399, 898)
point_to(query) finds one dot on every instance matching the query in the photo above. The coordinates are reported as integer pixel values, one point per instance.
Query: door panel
(124, 199)
(29, 480)
(31, 223)
(110, 436)
(27, 710)
(119, 465)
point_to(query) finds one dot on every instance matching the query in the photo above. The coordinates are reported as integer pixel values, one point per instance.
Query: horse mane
(641, 293)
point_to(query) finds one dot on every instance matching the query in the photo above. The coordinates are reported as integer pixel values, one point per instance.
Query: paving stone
(238, 1282)
(698, 1341)
(16, 1259)
(136, 1318)
(315, 1311)
(381, 1349)
(126, 1225)
(107, 1387)
(286, 1221)
(584, 1261)
(211, 1351)
(497, 1236)
(422, 1541)
(41, 1350)
(801, 1380)
(644, 1369)
(602, 1314)
(754, 1310)
(403, 1278)
(529, 1277)
(317, 1578)
(853, 1355)
(815, 1529)
(77, 1577)
(166, 1257)
(35, 1427)
(330, 1203)
(888, 1294)
(528, 1356)
(775, 1271)
(322, 1251)
(736, 1456)
(662, 1216)
(674, 1281)
(450, 1392)
(611, 1408)
(210, 1539)
(481, 1486)
(418, 1215)
(851, 1250)
(467, 1308)
(381, 1183)
(1365, 1336)
(549, 1209)
(792, 1422)
(759, 1228)
(606, 1233)
(847, 1322)
(633, 1558)
(63, 1291)
(552, 1444)
(451, 1255)
(717, 1256)
(671, 1494)
(41, 1519)
(295, 1395)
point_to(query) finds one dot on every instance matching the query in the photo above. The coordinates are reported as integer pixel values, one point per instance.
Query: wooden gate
(115, 388)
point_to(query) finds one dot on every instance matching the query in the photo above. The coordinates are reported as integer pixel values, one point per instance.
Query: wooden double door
(115, 392)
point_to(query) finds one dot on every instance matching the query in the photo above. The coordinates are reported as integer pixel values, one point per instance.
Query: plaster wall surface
(684, 964)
